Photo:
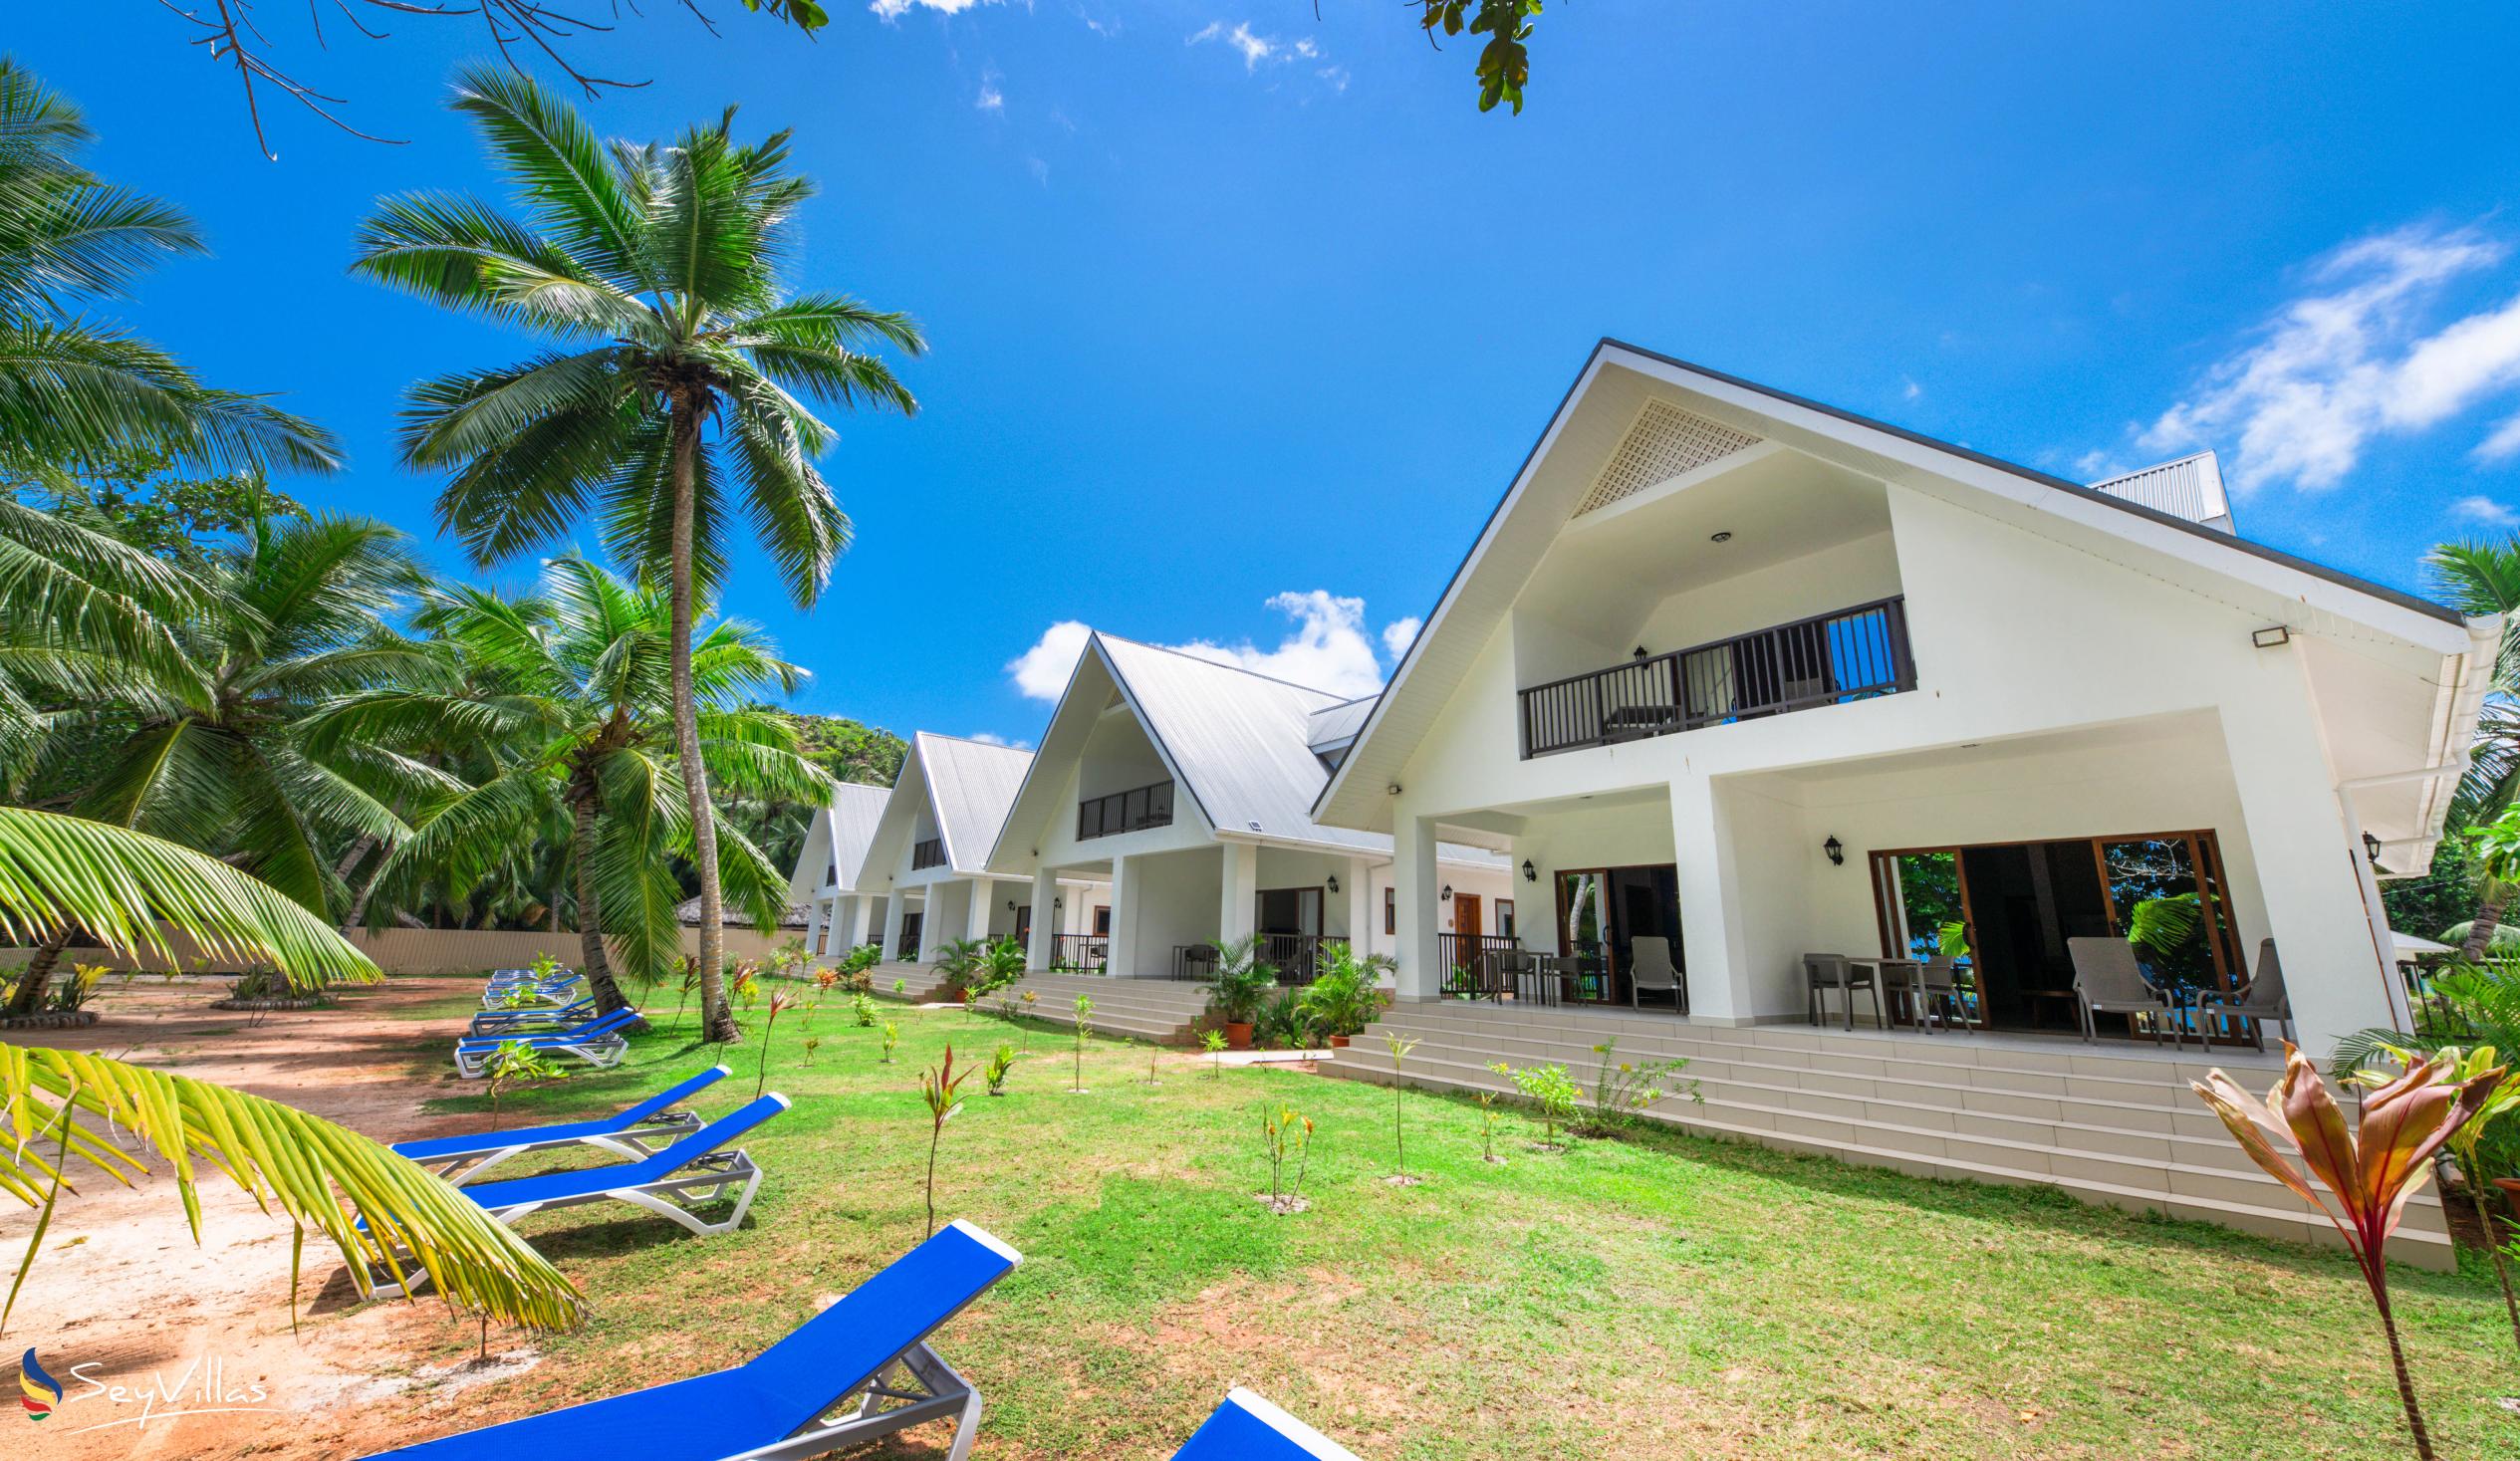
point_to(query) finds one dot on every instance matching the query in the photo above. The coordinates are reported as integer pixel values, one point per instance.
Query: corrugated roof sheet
(2190, 488)
(852, 819)
(1338, 723)
(1239, 739)
(971, 784)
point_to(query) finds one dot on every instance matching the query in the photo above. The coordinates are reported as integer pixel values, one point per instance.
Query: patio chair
(2263, 998)
(1649, 967)
(536, 1021)
(1825, 973)
(599, 1043)
(694, 1172)
(827, 1386)
(1249, 1429)
(633, 1135)
(1941, 978)
(557, 989)
(2109, 981)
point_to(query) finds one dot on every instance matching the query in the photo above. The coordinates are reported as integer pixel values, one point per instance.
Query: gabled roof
(971, 784)
(1337, 726)
(839, 835)
(1544, 493)
(1236, 742)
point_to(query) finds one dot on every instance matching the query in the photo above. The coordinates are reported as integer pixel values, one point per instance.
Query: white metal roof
(1338, 724)
(850, 820)
(971, 784)
(2190, 488)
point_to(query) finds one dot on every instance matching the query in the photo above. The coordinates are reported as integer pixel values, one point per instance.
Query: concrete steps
(920, 983)
(1161, 1010)
(2118, 1128)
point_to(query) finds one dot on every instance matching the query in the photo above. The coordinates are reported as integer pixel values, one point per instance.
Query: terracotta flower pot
(1237, 1037)
(1338, 1042)
(2510, 1192)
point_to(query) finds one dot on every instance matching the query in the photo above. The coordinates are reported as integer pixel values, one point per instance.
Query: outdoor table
(1911, 975)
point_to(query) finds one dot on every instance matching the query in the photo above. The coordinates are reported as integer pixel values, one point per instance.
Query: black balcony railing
(929, 853)
(1827, 659)
(1134, 810)
(1296, 957)
(1091, 952)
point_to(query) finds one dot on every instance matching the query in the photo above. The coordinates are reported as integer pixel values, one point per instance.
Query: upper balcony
(1134, 810)
(1827, 660)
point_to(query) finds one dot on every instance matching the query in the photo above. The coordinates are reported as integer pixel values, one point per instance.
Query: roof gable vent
(1665, 442)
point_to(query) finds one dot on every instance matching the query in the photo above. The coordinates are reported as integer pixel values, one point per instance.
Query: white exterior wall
(2014, 635)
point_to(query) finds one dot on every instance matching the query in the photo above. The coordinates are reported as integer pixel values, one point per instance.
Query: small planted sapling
(1214, 1042)
(779, 1004)
(1032, 997)
(1487, 1125)
(943, 1090)
(1626, 1087)
(1285, 1132)
(1399, 1049)
(515, 1063)
(891, 1039)
(1085, 1027)
(998, 1068)
(862, 1006)
(813, 1042)
(1551, 1094)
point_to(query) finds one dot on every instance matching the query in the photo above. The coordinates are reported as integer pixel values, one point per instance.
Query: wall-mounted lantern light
(1331, 882)
(1530, 874)
(1836, 851)
(1447, 893)
(1010, 905)
(2371, 848)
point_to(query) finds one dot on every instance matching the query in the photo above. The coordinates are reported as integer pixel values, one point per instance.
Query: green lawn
(1661, 1295)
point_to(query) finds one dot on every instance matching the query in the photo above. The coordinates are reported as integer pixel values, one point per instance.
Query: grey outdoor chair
(1825, 973)
(2261, 999)
(1941, 977)
(1649, 967)
(2109, 981)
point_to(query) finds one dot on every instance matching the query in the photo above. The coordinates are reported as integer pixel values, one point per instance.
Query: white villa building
(1186, 786)
(840, 914)
(1767, 679)
(927, 859)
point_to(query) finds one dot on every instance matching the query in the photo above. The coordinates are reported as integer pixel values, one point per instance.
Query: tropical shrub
(1284, 1130)
(515, 1063)
(1213, 1042)
(1000, 1066)
(1001, 964)
(1621, 1088)
(1283, 1021)
(1244, 981)
(861, 1005)
(957, 960)
(891, 1039)
(1345, 995)
(2370, 1171)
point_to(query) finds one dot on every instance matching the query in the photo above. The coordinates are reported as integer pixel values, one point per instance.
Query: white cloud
(2502, 445)
(1328, 648)
(2362, 355)
(1399, 634)
(991, 97)
(1040, 170)
(1910, 390)
(992, 738)
(1254, 47)
(2483, 511)
(896, 9)
(1336, 76)
(1041, 672)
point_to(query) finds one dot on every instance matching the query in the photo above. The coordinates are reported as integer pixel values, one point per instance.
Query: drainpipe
(2400, 1011)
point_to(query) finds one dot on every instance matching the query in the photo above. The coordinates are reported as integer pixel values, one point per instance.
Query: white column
(983, 902)
(1719, 976)
(1043, 946)
(815, 919)
(2308, 864)
(1238, 911)
(1124, 881)
(1361, 927)
(894, 909)
(1420, 949)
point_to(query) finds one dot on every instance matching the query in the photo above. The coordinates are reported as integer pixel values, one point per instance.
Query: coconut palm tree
(123, 888)
(73, 388)
(575, 684)
(2478, 578)
(681, 386)
(209, 751)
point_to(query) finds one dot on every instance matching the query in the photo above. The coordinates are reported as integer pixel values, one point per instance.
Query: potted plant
(958, 961)
(1244, 982)
(1345, 995)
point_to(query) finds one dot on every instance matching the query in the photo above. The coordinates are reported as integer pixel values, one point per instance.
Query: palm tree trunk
(2480, 929)
(717, 1018)
(590, 958)
(28, 997)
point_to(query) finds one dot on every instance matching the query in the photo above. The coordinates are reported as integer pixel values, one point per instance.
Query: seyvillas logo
(39, 1392)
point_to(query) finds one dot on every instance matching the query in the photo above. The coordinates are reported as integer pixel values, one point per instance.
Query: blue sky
(1239, 316)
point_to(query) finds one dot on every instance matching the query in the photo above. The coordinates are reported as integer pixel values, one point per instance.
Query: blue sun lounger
(536, 1020)
(695, 1172)
(598, 1043)
(635, 1134)
(557, 989)
(1249, 1429)
(860, 1369)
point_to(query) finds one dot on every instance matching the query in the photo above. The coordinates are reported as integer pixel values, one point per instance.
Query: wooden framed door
(1469, 915)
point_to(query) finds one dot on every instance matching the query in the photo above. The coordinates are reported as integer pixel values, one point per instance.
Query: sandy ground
(122, 1295)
